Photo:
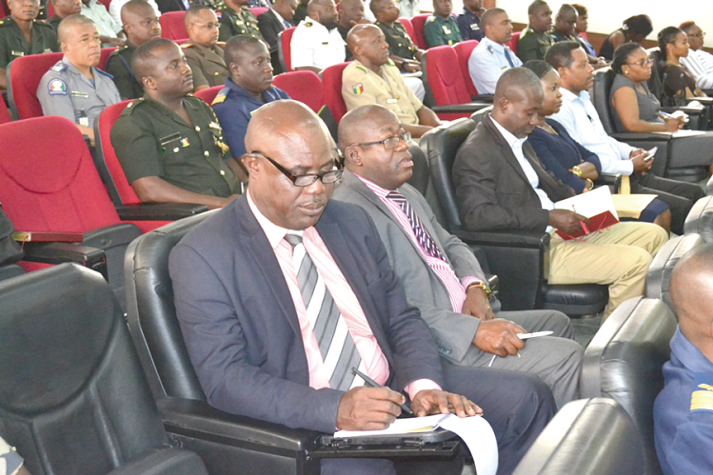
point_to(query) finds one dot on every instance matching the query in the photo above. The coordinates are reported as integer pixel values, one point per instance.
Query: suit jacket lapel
(506, 150)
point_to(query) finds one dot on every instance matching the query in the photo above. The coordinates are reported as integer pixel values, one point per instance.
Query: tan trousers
(618, 257)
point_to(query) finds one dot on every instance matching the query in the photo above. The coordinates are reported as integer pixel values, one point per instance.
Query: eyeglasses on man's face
(390, 143)
(302, 181)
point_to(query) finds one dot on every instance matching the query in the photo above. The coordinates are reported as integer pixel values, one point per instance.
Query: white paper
(590, 204)
(400, 426)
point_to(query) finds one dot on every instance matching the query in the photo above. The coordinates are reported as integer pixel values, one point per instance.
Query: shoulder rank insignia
(59, 67)
(57, 87)
(358, 89)
(362, 68)
(219, 98)
(702, 396)
(491, 50)
(17, 53)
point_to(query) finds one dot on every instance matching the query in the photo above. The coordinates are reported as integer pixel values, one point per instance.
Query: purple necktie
(422, 236)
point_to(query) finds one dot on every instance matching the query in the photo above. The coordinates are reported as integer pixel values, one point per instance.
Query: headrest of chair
(419, 179)
(603, 79)
(700, 219)
(658, 277)
(56, 326)
(478, 116)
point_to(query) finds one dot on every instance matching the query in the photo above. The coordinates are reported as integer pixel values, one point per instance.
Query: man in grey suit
(441, 275)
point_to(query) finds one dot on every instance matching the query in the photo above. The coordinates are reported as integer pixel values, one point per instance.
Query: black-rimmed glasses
(390, 143)
(327, 178)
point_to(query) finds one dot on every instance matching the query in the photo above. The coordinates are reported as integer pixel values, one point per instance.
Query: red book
(597, 205)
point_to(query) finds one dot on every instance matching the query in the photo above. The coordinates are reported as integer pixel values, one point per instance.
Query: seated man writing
(281, 293)
(500, 184)
(170, 144)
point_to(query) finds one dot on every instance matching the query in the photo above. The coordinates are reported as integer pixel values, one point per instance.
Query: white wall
(606, 16)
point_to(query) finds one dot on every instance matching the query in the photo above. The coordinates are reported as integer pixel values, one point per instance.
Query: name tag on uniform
(79, 94)
(474, 27)
(325, 43)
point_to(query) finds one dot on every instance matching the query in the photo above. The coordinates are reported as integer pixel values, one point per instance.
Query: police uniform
(533, 45)
(469, 24)
(237, 23)
(315, 46)
(151, 140)
(66, 92)
(234, 108)
(683, 411)
(207, 64)
(397, 38)
(441, 31)
(361, 86)
(119, 66)
(488, 61)
(13, 43)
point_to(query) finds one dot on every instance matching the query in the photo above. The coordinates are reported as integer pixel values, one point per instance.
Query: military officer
(536, 39)
(373, 79)
(22, 34)
(62, 9)
(74, 88)
(236, 19)
(203, 51)
(316, 42)
(140, 24)
(469, 20)
(405, 55)
(441, 28)
(169, 143)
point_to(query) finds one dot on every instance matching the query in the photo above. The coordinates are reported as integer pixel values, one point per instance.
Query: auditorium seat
(257, 11)
(408, 26)
(624, 360)
(512, 44)
(586, 437)
(10, 251)
(303, 86)
(209, 93)
(446, 91)
(23, 78)
(74, 397)
(284, 48)
(418, 21)
(463, 50)
(517, 257)
(332, 81)
(658, 277)
(700, 219)
(127, 204)
(105, 56)
(4, 113)
(173, 26)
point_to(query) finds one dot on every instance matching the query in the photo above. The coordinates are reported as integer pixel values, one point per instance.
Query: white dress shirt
(487, 63)
(315, 46)
(579, 117)
(700, 65)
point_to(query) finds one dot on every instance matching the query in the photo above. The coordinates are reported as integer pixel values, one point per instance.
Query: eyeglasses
(700, 35)
(207, 26)
(643, 63)
(302, 181)
(390, 143)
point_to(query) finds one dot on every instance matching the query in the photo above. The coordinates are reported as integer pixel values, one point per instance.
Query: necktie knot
(293, 240)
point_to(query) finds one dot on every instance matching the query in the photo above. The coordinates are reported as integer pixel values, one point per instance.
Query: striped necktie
(336, 344)
(424, 239)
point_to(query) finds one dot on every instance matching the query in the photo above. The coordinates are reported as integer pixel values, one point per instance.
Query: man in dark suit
(501, 184)
(272, 289)
(272, 22)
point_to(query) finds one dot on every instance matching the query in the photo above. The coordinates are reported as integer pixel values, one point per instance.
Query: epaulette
(187, 45)
(220, 97)
(133, 104)
(104, 73)
(702, 394)
(362, 69)
(60, 67)
(39, 22)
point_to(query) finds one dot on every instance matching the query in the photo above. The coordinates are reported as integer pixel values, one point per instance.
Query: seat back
(152, 314)
(209, 93)
(658, 277)
(332, 81)
(408, 26)
(257, 11)
(587, 437)
(303, 86)
(700, 219)
(440, 146)
(624, 360)
(418, 21)
(4, 113)
(443, 78)
(420, 177)
(284, 48)
(23, 78)
(603, 79)
(656, 80)
(464, 50)
(105, 56)
(74, 398)
(512, 44)
(172, 25)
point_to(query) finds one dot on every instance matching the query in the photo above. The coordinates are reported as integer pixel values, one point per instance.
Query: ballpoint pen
(371, 383)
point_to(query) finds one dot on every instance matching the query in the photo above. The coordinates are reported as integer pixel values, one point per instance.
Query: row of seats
(173, 26)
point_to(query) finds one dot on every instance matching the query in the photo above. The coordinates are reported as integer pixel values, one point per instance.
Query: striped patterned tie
(424, 239)
(335, 342)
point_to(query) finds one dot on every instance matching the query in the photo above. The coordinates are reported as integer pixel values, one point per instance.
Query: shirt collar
(688, 354)
(492, 44)
(378, 190)
(512, 141)
(275, 234)
(570, 96)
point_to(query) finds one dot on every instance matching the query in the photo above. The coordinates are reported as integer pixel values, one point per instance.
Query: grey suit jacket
(452, 331)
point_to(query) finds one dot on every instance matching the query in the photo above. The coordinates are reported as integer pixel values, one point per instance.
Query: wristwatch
(480, 285)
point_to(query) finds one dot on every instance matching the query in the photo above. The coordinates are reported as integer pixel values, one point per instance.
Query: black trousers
(517, 406)
(678, 195)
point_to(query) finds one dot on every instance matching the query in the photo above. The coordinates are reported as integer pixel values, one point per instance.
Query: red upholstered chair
(463, 50)
(4, 113)
(303, 86)
(512, 44)
(408, 26)
(418, 21)
(332, 81)
(444, 82)
(172, 26)
(258, 10)
(284, 49)
(105, 56)
(24, 76)
(49, 185)
(209, 93)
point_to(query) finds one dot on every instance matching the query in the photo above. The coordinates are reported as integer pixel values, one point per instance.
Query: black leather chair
(73, 397)
(624, 360)
(664, 164)
(700, 219)
(586, 437)
(658, 277)
(517, 257)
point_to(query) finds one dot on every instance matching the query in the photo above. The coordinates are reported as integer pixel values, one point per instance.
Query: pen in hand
(581, 223)
(373, 384)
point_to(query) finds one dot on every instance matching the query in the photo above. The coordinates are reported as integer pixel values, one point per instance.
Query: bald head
(145, 58)
(355, 125)
(566, 20)
(323, 12)
(516, 83)
(359, 34)
(517, 102)
(69, 24)
(194, 13)
(280, 122)
(133, 9)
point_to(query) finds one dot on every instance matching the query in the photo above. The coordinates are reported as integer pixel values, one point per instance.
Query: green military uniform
(151, 140)
(441, 31)
(13, 43)
(207, 64)
(399, 42)
(237, 23)
(119, 66)
(533, 45)
(54, 22)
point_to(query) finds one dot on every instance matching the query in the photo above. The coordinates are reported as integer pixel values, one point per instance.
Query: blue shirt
(469, 26)
(234, 108)
(683, 411)
(488, 62)
(586, 45)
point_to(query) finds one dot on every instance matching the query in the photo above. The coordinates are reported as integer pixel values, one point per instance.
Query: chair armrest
(197, 419)
(466, 107)
(61, 252)
(158, 211)
(508, 238)
(612, 181)
(703, 100)
(483, 98)
(642, 137)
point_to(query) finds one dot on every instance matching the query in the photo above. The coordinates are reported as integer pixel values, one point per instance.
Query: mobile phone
(651, 153)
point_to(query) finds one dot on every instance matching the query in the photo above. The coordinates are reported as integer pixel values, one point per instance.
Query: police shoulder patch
(59, 67)
(57, 87)
(702, 394)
